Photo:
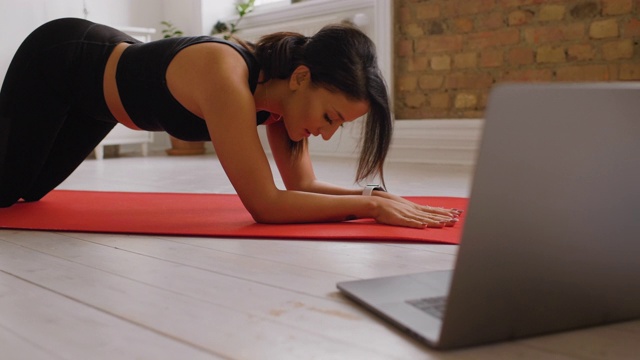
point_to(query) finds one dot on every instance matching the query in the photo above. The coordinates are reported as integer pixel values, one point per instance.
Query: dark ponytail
(280, 54)
(343, 59)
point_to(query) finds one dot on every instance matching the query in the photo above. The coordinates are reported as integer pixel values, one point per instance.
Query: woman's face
(311, 110)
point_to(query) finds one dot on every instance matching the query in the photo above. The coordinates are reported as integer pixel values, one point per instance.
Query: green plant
(170, 30)
(229, 29)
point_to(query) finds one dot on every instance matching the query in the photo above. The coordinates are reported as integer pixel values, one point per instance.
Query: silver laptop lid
(552, 237)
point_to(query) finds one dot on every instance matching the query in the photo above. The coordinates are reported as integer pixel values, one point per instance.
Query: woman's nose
(328, 131)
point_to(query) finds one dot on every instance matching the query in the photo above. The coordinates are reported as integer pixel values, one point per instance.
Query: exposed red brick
(440, 100)
(457, 57)
(585, 10)
(521, 56)
(616, 50)
(462, 25)
(412, 30)
(467, 7)
(407, 83)
(418, 63)
(551, 12)
(491, 58)
(614, 71)
(491, 21)
(439, 43)
(616, 7)
(555, 33)
(430, 82)
(632, 27)
(441, 62)
(467, 60)
(630, 71)
(415, 101)
(468, 81)
(427, 11)
(404, 15)
(465, 101)
(580, 52)
(404, 48)
(519, 3)
(551, 54)
(583, 73)
(529, 75)
(486, 39)
(604, 29)
(520, 17)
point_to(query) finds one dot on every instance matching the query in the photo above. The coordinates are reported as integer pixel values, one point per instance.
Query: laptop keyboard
(433, 306)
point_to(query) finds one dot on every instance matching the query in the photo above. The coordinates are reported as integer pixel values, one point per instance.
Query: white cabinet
(121, 135)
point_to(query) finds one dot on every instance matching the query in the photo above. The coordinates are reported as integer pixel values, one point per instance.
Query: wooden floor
(98, 296)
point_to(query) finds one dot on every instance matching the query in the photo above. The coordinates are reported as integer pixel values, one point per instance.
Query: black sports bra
(142, 85)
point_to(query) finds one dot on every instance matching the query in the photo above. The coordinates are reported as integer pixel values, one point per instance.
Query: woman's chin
(298, 137)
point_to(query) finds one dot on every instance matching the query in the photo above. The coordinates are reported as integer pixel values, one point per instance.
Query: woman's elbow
(262, 218)
(264, 214)
(270, 208)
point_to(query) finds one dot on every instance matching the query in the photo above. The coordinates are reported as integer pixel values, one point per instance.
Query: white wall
(214, 10)
(19, 17)
(195, 17)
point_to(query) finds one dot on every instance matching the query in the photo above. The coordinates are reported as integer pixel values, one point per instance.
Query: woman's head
(341, 60)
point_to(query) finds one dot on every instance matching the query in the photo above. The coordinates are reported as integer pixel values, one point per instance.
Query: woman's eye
(326, 117)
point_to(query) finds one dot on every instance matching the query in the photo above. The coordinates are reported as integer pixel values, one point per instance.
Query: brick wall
(449, 53)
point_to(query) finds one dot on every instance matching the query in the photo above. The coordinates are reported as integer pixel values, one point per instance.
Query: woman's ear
(300, 76)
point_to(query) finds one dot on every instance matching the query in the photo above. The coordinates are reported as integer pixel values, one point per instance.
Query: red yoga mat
(211, 215)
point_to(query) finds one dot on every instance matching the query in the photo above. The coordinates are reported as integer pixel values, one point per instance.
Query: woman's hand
(402, 212)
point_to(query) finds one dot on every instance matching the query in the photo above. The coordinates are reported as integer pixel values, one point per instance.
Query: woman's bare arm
(297, 173)
(223, 98)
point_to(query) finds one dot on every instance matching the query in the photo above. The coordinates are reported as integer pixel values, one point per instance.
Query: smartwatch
(368, 190)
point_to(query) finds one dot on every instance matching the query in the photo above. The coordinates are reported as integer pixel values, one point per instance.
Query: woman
(72, 80)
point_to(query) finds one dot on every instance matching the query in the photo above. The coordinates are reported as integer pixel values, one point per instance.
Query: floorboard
(106, 296)
(63, 327)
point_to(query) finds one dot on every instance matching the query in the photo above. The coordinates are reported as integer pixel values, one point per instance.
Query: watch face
(369, 189)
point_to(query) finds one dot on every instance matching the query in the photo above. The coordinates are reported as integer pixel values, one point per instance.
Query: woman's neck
(268, 96)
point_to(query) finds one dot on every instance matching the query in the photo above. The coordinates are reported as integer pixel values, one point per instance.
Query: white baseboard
(440, 142)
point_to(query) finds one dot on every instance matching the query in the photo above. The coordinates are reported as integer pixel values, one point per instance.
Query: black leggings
(52, 107)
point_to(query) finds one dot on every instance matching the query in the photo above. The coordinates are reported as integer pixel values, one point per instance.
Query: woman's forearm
(321, 187)
(309, 207)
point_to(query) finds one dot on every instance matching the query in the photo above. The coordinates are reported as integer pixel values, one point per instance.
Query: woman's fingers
(441, 211)
(435, 220)
(415, 223)
(448, 220)
(405, 213)
(450, 213)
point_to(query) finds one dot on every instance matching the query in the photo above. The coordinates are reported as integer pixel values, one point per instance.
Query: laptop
(551, 239)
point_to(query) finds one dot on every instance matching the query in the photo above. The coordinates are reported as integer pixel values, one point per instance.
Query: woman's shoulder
(219, 60)
(201, 74)
(214, 59)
